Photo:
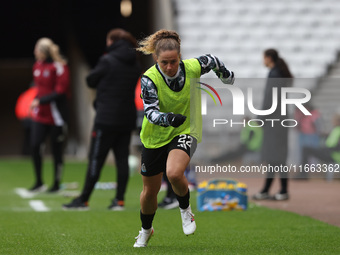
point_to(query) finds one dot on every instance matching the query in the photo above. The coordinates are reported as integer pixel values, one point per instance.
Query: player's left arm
(210, 62)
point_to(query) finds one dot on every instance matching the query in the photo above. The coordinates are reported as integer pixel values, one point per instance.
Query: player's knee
(174, 176)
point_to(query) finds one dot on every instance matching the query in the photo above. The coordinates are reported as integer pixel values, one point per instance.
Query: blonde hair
(50, 49)
(162, 40)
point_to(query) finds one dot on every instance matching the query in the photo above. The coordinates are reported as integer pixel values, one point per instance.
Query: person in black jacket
(275, 138)
(115, 78)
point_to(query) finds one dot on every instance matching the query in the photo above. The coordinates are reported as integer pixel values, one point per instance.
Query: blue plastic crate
(218, 196)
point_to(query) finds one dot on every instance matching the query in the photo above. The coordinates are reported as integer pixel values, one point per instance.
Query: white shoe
(37, 189)
(143, 238)
(188, 221)
(261, 196)
(281, 197)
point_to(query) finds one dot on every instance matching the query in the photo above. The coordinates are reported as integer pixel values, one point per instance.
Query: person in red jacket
(49, 108)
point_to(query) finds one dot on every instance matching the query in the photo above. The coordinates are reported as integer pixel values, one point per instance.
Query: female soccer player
(169, 135)
(49, 108)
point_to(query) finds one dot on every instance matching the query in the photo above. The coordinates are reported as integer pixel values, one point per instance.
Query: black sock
(184, 201)
(146, 220)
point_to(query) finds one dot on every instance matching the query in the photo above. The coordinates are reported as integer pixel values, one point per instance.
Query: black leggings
(103, 139)
(38, 136)
(270, 178)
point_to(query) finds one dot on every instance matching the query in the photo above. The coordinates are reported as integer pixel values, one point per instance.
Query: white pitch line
(38, 206)
(24, 193)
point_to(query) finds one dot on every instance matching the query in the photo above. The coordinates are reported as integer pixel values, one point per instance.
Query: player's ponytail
(162, 40)
(50, 49)
(55, 53)
(279, 63)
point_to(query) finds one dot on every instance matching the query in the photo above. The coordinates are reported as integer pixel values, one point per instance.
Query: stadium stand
(305, 33)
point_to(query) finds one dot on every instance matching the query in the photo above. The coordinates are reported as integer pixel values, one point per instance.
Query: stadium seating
(305, 32)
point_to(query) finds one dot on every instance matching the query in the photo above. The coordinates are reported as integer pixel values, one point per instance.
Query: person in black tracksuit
(275, 139)
(115, 78)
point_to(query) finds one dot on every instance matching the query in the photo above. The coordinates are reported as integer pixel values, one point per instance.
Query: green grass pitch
(99, 231)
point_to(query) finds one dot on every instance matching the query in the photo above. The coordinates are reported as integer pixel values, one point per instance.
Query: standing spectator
(329, 153)
(49, 108)
(115, 78)
(275, 138)
(172, 124)
(309, 128)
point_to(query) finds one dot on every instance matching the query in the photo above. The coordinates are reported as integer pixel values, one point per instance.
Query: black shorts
(154, 160)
